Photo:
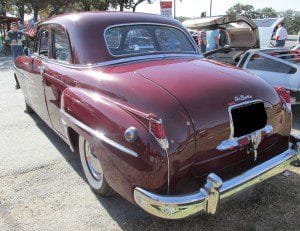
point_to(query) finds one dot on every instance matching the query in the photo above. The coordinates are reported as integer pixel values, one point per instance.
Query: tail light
(284, 96)
(157, 129)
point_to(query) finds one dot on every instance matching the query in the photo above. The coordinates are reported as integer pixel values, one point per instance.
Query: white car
(278, 67)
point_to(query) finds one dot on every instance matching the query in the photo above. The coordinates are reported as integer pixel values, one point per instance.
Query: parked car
(166, 129)
(278, 67)
(242, 35)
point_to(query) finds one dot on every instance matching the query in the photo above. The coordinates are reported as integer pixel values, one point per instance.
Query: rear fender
(103, 123)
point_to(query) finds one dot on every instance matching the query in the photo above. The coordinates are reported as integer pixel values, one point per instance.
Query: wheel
(92, 168)
(28, 108)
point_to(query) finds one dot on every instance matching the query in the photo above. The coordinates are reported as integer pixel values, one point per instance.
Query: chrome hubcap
(92, 162)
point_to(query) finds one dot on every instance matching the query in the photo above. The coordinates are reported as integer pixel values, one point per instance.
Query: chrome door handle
(41, 69)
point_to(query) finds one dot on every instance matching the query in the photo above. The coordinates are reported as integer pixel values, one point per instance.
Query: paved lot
(42, 185)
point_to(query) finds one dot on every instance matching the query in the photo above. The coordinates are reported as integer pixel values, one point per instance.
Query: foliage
(291, 21)
(267, 12)
(244, 10)
(48, 8)
(290, 16)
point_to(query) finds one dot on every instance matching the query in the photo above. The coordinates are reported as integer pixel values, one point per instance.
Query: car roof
(86, 31)
(106, 18)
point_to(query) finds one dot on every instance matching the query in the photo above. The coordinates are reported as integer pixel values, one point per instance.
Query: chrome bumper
(208, 197)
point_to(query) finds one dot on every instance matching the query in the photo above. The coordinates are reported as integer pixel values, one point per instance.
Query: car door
(57, 75)
(35, 82)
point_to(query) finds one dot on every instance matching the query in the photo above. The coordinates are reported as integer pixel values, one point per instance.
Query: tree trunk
(21, 12)
(122, 5)
(136, 4)
(35, 13)
(3, 9)
(86, 6)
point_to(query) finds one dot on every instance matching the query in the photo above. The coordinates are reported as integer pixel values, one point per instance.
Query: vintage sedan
(159, 124)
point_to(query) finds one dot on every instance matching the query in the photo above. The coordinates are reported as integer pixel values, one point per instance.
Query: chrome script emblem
(242, 98)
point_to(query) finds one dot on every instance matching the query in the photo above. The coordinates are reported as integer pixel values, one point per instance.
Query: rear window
(145, 39)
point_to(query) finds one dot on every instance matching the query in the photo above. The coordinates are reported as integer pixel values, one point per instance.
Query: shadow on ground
(273, 205)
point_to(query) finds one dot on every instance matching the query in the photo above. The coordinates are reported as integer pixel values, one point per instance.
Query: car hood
(241, 31)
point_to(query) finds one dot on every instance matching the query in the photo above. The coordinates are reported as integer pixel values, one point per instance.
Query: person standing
(15, 39)
(201, 40)
(280, 36)
(212, 37)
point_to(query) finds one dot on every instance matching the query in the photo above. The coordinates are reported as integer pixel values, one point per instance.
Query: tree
(290, 20)
(35, 6)
(244, 10)
(267, 12)
(132, 4)
(21, 7)
(3, 8)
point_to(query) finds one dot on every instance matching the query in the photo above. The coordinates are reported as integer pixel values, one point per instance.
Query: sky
(193, 8)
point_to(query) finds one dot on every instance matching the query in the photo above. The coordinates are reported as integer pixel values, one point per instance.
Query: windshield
(145, 39)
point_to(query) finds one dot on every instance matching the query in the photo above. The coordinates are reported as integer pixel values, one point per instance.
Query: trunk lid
(206, 89)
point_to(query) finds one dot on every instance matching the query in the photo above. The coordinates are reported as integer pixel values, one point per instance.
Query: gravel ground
(43, 188)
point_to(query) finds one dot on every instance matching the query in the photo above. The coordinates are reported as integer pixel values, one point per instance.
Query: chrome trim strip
(208, 198)
(234, 142)
(99, 135)
(121, 60)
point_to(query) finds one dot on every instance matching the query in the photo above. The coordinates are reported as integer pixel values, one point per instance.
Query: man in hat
(15, 39)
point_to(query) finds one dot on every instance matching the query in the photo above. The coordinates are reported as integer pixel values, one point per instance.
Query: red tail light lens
(157, 129)
(284, 94)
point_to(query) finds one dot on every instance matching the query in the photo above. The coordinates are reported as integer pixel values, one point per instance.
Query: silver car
(278, 67)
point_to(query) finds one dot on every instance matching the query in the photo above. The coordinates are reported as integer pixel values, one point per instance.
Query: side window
(61, 50)
(44, 43)
(261, 63)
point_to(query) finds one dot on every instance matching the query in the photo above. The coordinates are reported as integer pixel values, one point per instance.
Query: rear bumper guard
(208, 197)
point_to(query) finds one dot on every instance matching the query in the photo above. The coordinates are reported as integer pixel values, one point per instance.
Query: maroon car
(150, 117)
